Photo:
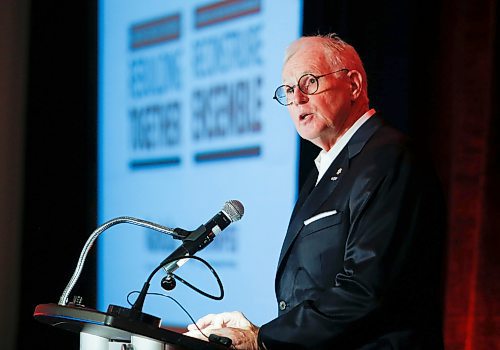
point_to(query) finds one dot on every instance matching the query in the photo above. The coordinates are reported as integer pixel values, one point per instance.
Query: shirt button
(282, 305)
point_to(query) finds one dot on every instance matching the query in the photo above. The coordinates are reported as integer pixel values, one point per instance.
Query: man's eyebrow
(298, 75)
(295, 80)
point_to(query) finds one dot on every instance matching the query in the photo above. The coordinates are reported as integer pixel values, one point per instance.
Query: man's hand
(233, 325)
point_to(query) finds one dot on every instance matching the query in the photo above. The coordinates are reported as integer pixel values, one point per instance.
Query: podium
(112, 331)
(130, 329)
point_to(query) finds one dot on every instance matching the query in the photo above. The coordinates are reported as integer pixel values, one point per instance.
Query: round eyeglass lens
(308, 84)
(282, 96)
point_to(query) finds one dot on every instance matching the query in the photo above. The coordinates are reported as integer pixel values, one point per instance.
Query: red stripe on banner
(226, 18)
(216, 5)
(155, 41)
(156, 22)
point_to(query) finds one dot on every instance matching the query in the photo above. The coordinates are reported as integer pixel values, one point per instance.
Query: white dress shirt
(325, 159)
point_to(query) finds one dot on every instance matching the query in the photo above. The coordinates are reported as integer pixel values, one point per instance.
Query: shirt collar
(325, 159)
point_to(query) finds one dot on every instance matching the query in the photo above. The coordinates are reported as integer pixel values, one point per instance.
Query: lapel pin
(339, 171)
(334, 178)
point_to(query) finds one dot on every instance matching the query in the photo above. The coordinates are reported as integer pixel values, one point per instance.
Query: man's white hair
(339, 54)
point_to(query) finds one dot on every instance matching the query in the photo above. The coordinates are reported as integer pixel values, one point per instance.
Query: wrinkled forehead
(307, 57)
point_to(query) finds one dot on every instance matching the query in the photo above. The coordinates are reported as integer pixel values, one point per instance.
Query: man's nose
(299, 97)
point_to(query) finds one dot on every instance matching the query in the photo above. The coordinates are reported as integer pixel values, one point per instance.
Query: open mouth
(304, 116)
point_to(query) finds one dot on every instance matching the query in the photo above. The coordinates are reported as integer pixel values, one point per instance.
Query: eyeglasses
(308, 84)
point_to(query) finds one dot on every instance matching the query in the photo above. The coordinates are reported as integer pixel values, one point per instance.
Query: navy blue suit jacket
(366, 274)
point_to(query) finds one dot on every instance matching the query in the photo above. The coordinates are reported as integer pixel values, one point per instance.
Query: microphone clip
(185, 235)
(181, 234)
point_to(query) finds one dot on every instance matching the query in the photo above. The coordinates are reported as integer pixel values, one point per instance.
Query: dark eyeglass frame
(317, 77)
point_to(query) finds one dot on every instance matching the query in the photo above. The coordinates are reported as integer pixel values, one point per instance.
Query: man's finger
(195, 334)
(191, 327)
(206, 321)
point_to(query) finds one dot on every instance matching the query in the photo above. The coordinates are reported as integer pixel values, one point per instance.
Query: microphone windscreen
(234, 210)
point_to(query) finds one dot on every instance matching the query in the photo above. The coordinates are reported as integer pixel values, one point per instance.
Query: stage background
(187, 122)
(432, 70)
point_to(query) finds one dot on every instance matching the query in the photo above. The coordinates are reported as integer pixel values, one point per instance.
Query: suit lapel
(303, 195)
(311, 200)
(305, 191)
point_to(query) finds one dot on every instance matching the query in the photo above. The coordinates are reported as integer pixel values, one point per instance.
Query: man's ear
(356, 84)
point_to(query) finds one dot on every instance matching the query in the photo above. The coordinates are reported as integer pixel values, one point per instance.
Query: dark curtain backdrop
(13, 34)
(432, 70)
(60, 163)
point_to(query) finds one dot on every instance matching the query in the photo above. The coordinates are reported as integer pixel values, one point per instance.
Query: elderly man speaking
(360, 265)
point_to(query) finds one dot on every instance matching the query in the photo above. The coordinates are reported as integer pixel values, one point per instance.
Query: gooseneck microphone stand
(63, 300)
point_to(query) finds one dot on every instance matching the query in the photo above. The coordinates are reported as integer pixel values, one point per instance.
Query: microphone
(197, 240)
(193, 242)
